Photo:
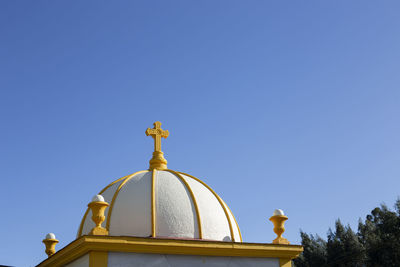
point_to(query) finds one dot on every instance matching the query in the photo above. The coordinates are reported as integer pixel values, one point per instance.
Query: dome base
(158, 161)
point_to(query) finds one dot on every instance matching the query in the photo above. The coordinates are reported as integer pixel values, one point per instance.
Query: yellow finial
(50, 242)
(158, 161)
(98, 206)
(278, 219)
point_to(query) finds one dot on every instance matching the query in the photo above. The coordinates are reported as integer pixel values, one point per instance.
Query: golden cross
(157, 133)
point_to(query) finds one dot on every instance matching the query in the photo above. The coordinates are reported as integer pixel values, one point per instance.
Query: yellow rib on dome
(177, 174)
(87, 210)
(221, 202)
(237, 225)
(116, 194)
(153, 203)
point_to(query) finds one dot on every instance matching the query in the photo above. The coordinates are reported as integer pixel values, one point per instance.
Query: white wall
(80, 262)
(119, 259)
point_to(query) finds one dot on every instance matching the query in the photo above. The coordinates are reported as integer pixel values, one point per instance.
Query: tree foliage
(376, 243)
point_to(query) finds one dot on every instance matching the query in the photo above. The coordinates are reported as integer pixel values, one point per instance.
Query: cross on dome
(157, 133)
(158, 161)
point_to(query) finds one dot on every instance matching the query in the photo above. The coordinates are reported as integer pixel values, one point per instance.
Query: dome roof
(164, 204)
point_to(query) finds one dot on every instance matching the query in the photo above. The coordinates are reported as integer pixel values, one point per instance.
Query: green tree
(314, 251)
(380, 235)
(377, 243)
(344, 247)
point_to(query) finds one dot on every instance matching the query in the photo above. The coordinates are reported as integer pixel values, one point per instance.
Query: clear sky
(274, 104)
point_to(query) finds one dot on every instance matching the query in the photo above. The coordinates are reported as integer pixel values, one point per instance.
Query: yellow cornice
(85, 244)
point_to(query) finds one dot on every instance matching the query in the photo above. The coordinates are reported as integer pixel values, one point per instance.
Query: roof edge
(85, 244)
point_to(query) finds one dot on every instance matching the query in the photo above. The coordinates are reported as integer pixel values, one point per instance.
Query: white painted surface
(80, 262)
(119, 259)
(213, 219)
(176, 216)
(278, 212)
(50, 236)
(98, 198)
(131, 214)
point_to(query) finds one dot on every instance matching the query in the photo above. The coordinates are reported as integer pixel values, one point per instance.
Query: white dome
(164, 204)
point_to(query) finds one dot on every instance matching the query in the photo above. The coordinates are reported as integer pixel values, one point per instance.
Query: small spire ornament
(278, 219)
(158, 161)
(50, 242)
(98, 206)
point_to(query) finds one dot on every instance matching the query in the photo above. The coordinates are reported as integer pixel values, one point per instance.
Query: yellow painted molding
(87, 210)
(196, 206)
(82, 222)
(98, 259)
(115, 196)
(237, 225)
(153, 203)
(86, 244)
(285, 262)
(221, 202)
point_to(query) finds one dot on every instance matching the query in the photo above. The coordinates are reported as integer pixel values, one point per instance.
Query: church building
(161, 217)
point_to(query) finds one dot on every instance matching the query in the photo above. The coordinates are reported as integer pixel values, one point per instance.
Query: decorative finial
(50, 242)
(157, 161)
(98, 206)
(278, 219)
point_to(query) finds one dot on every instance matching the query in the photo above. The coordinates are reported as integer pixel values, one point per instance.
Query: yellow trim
(82, 222)
(87, 210)
(153, 203)
(85, 244)
(98, 259)
(193, 198)
(115, 196)
(284, 262)
(220, 202)
(237, 225)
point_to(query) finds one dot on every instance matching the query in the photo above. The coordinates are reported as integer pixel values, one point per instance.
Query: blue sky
(274, 104)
